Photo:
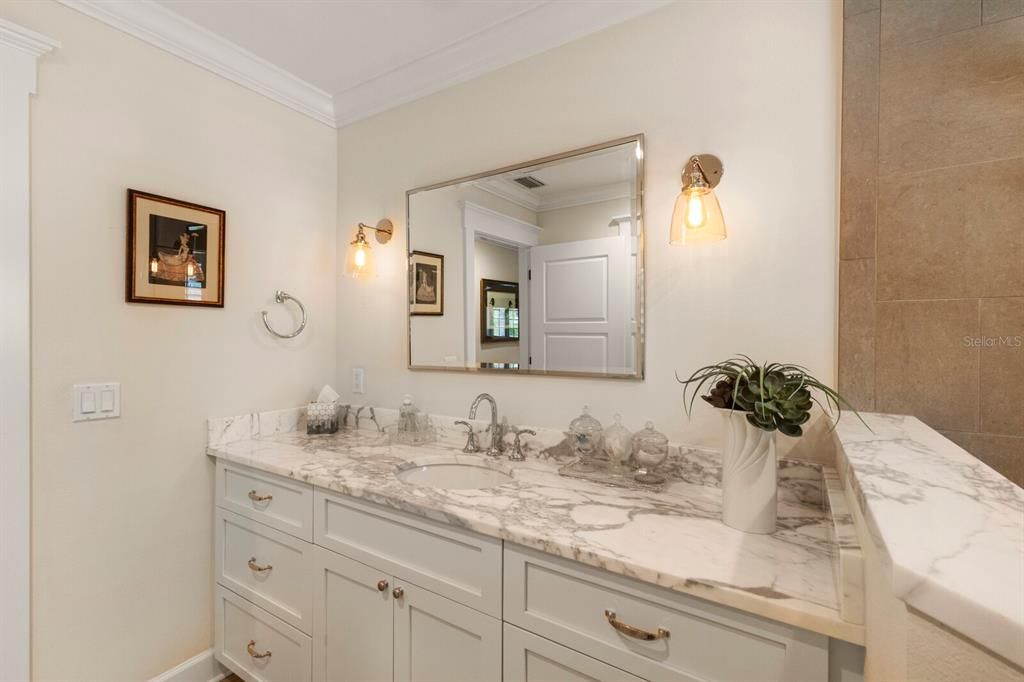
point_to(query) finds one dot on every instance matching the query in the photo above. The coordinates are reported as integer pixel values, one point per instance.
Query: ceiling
(363, 56)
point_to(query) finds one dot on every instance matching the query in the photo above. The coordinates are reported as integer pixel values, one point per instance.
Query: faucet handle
(517, 453)
(471, 445)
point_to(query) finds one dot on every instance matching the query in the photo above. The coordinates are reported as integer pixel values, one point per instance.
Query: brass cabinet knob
(382, 585)
(398, 593)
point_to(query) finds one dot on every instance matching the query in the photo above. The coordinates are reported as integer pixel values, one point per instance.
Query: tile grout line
(922, 171)
(922, 41)
(874, 218)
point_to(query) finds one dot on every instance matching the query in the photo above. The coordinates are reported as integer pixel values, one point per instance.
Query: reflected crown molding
(163, 28)
(511, 191)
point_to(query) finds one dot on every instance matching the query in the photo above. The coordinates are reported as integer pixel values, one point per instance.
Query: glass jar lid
(585, 424)
(649, 439)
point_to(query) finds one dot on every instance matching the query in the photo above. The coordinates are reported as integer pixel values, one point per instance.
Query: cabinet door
(438, 640)
(353, 623)
(529, 658)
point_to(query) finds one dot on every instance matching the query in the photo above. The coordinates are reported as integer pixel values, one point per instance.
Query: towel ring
(281, 297)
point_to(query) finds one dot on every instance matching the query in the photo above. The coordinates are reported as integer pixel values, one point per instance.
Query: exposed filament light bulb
(697, 217)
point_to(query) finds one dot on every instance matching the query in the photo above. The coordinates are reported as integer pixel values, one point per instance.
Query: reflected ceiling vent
(529, 182)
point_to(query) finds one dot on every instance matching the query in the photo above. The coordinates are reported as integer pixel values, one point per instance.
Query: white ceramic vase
(749, 482)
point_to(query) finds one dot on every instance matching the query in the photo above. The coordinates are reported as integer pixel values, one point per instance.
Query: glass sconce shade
(697, 216)
(359, 262)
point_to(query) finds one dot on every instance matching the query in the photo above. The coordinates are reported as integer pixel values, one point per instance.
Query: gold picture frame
(175, 252)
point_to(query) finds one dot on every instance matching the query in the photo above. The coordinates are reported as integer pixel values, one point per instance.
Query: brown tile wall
(931, 244)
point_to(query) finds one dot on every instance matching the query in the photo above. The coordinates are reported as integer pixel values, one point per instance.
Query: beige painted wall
(575, 223)
(122, 509)
(765, 100)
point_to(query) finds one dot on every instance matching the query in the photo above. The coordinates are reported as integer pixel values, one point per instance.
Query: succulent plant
(774, 396)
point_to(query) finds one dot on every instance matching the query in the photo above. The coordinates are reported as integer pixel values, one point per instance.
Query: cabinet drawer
(457, 564)
(274, 500)
(243, 632)
(567, 602)
(267, 567)
(529, 658)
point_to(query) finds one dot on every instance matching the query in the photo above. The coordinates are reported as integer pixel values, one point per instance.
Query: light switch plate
(95, 401)
(358, 380)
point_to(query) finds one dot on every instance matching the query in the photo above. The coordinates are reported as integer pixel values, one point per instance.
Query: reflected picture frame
(426, 283)
(509, 291)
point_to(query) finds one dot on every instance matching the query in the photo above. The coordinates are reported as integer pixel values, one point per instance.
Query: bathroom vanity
(345, 558)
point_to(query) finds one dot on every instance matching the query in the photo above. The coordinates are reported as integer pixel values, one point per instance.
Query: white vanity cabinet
(375, 627)
(315, 586)
(530, 658)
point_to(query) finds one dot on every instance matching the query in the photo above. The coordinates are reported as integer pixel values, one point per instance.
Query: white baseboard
(200, 668)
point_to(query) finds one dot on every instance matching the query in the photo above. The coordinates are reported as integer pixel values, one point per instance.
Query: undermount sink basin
(452, 474)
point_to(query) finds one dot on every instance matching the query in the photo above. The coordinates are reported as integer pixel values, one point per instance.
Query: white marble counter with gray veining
(950, 529)
(672, 538)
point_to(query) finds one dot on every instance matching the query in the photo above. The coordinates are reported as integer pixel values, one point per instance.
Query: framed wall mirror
(543, 266)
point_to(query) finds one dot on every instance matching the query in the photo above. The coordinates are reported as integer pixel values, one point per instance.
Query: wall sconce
(697, 217)
(359, 263)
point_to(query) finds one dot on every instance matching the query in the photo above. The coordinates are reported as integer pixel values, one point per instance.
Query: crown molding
(21, 38)
(510, 191)
(587, 195)
(159, 26)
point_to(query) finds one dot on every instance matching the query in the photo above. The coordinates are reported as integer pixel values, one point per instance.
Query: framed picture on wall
(175, 252)
(427, 295)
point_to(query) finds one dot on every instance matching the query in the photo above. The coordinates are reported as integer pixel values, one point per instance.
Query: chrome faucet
(496, 431)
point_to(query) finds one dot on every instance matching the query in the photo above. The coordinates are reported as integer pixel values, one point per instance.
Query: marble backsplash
(799, 481)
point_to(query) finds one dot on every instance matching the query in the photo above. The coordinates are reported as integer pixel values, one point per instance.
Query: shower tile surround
(787, 576)
(931, 270)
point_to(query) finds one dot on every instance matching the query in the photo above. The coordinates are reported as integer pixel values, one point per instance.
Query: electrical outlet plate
(358, 380)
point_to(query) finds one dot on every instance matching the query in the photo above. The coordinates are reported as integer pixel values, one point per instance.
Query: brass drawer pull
(256, 567)
(252, 650)
(256, 497)
(398, 593)
(382, 585)
(634, 632)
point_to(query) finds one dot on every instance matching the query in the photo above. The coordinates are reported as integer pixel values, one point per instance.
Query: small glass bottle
(650, 449)
(586, 436)
(407, 415)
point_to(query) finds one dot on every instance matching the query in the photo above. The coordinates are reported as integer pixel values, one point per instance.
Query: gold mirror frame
(641, 269)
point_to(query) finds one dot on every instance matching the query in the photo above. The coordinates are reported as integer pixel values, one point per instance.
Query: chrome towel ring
(281, 297)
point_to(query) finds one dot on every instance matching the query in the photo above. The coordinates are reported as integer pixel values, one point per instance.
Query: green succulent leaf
(774, 395)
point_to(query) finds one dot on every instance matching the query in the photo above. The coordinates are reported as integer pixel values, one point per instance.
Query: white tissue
(327, 395)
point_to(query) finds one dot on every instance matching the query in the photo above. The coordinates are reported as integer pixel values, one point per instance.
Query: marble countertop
(672, 538)
(950, 528)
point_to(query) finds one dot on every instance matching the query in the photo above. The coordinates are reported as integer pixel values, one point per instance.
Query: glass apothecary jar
(618, 444)
(650, 450)
(586, 438)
